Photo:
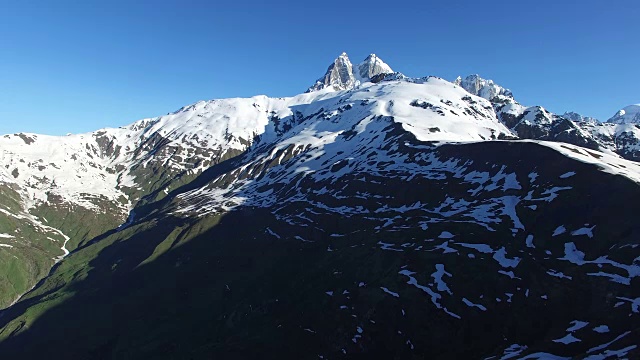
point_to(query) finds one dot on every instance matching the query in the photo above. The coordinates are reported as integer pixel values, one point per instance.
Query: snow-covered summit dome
(629, 114)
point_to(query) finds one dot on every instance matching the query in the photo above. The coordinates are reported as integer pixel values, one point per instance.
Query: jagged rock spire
(342, 75)
(372, 66)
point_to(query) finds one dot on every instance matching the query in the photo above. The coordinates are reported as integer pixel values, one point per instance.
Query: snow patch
(471, 304)
(394, 294)
(501, 258)
(601, 329)
(588, 231)
(568, 339)
(559, 230)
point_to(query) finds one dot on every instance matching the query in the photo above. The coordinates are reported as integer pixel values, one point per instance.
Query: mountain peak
(484, 88)
(341, 75)
(626, 115)
(372, 66)
(573, 116)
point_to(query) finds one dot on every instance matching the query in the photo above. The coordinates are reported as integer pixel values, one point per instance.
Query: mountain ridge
(535, 122)
(343, 221)
(109, 170)
(626, 115)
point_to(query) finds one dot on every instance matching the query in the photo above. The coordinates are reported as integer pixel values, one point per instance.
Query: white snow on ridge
(627, 115)
(366, 111)
(431, 119)
(69, 166)
(422, 108)
(606, 162)
(78, 169)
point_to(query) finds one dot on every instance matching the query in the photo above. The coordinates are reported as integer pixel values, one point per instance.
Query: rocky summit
(374, 216)
(342, 75)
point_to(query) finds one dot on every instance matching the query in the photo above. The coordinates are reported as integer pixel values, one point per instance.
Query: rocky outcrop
(481, 87)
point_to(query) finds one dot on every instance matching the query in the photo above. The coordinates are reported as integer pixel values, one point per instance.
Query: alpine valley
(373, 216)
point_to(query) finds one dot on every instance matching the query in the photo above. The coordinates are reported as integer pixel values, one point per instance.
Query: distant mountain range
(619, 135)
(373, 216)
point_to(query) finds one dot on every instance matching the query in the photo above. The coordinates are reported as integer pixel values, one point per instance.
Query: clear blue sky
(76, 66)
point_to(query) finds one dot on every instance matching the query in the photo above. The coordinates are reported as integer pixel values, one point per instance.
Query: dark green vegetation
(35, 239)
(78, 223)
(30, 253)
(38, 228)
(298, 280)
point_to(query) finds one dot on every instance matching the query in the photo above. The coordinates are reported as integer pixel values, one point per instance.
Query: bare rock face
(339, 75)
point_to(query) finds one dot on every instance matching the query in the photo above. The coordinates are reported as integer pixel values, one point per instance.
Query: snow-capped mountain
(100, 177)
(112, 163)
(342, 75)
(627, 115)
(371, 67)
(536, 122)
(484, 88)
(372, 216)
(575, 117)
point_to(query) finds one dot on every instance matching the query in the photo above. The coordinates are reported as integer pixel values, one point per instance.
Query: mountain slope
(80, 186)
(359, 262)
(384, 220)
